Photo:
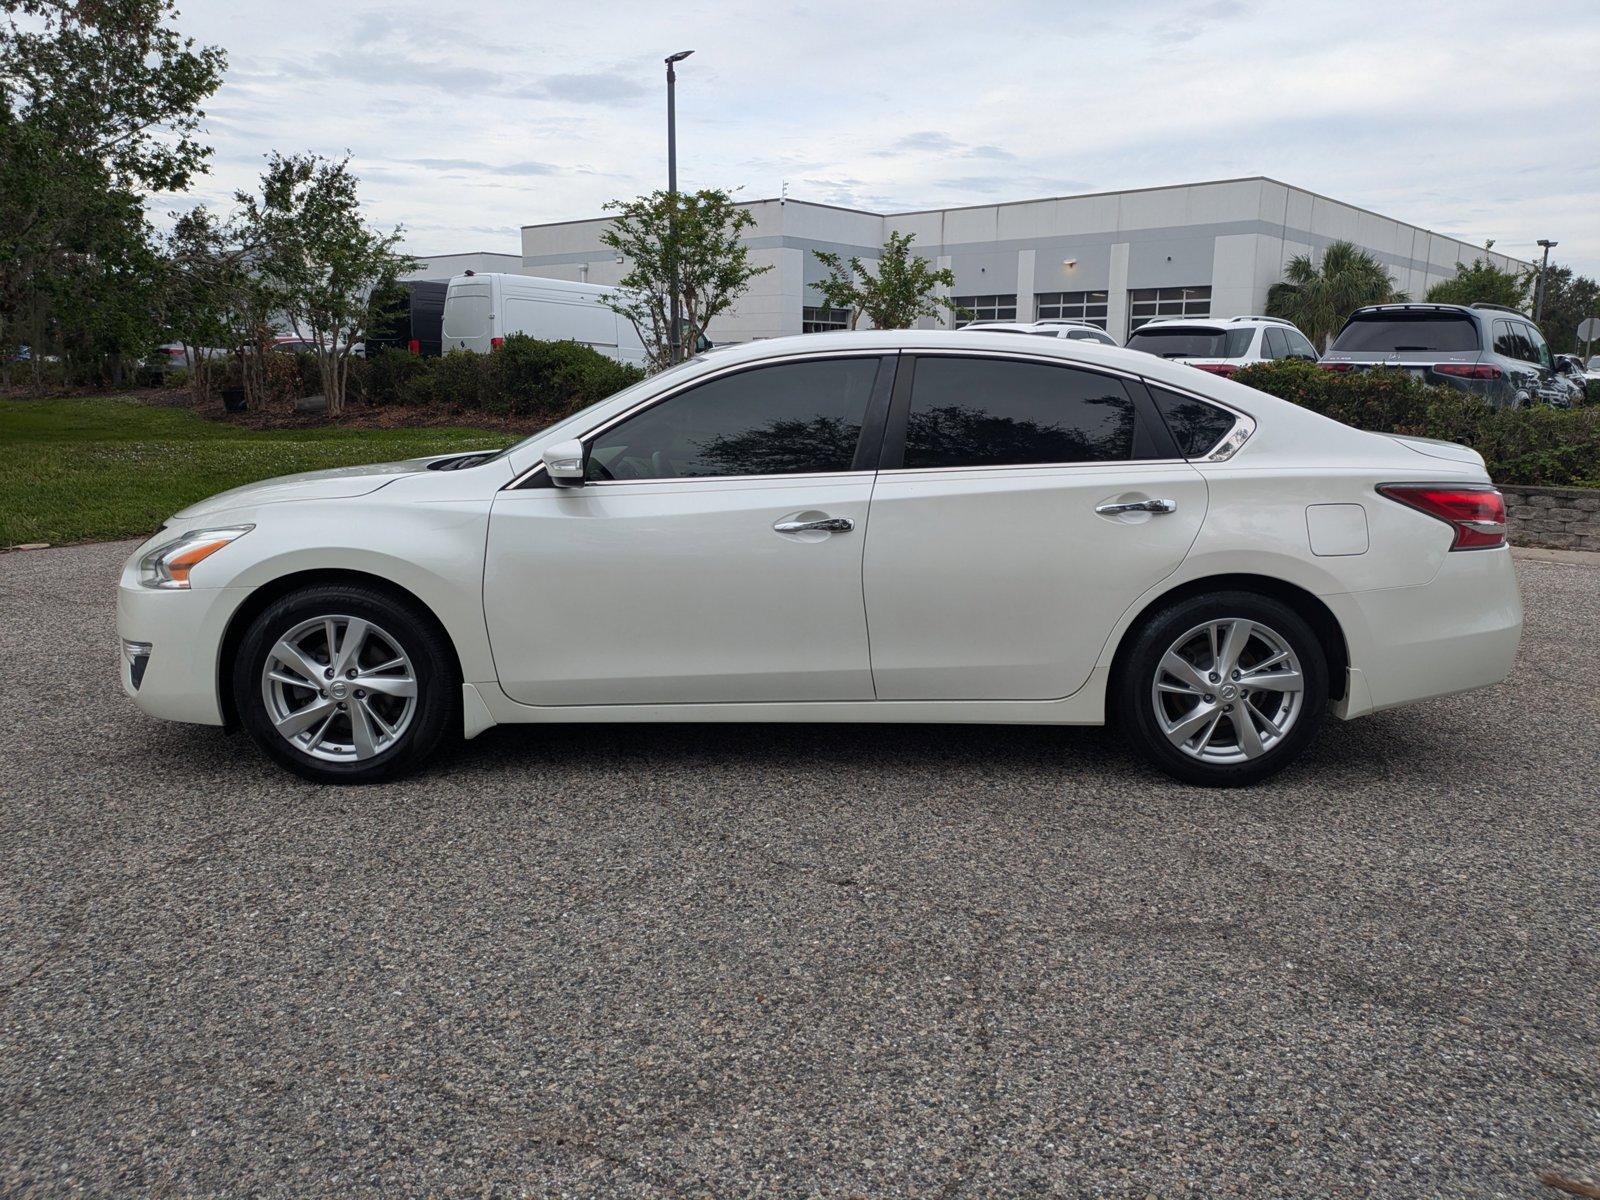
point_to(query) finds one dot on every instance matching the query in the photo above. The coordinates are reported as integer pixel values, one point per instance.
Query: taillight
(1327, 366)
(1477, 512)
(496, 343)
(173, 352)
(1215, 368)
(1468, 370)
(414, 346)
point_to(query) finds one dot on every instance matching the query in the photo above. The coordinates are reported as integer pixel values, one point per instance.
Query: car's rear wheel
(1222, 689)
(345, 684)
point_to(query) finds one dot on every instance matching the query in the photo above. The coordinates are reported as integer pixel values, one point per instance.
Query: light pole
(1538, 300)
(674, 333)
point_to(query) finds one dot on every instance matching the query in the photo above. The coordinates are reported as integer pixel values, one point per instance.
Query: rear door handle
(1111, 508)
(824, 525)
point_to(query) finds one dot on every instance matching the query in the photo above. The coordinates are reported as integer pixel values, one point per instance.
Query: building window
(1088, 307)
(822, 320)
(986, 308)
(1146, 304)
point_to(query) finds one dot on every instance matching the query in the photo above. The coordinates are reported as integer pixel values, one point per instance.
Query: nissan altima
(887, 527)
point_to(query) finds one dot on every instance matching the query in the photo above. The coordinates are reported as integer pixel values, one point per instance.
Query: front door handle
(824, 525)
(1111, 509)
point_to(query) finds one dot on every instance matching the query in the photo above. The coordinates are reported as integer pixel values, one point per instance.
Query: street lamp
(1538, 300)
(674, 334)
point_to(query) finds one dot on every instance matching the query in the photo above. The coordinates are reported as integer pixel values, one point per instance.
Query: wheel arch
(261, 598)
(1330, 634)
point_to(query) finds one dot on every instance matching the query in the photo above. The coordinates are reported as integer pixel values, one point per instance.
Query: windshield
(1401, 333)
(1191, 341)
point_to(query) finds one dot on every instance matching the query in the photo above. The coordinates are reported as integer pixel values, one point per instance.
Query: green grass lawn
(108, 467)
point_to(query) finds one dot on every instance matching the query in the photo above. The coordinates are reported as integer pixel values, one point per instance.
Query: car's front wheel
(345, 684)
(1222, 689)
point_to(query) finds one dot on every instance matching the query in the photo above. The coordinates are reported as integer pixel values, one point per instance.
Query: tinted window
(1275, 344)
(778, 420)
(1191, 341)
(1382, 333)
(974, 412)
(1299, 343)
(1196, 426)
(1537, 350)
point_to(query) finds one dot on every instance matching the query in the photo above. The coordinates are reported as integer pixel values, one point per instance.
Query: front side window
(986, 308)
(786, 419)
(1195, 425)
(978, 412)
(1538, 352)
(1146, 304)
(1299, 343)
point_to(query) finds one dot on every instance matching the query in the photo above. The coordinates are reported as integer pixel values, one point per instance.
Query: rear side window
(1195, 425)
(1402, 333)
(1191, 341)
(786, 419)
(467, 315)
(977, 412)
(1275, 344)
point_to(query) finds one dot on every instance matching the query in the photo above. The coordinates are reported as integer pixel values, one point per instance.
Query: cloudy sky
(468, 120)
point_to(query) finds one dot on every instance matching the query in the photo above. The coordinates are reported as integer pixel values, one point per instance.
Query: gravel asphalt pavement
(811, 961)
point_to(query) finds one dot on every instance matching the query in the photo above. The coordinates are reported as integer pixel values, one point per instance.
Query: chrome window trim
(1226, 447)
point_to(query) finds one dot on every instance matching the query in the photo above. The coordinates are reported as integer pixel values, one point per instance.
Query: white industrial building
(440, 267)
(1114, 258)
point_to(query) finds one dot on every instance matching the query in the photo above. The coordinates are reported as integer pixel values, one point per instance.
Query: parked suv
(1486, 349)
(1052, 327)
(1224, 345)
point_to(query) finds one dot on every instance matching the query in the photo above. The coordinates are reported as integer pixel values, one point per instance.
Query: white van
(480, 310)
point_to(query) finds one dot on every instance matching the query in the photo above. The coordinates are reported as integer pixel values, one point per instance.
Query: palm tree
(1318, 298)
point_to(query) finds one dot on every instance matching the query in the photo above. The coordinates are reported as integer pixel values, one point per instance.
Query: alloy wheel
(1228, 691)
(339, 688)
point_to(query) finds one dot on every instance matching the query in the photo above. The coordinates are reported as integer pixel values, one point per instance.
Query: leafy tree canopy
(1482, 283)
(894, 293)
(1318, 297)
(699, 234)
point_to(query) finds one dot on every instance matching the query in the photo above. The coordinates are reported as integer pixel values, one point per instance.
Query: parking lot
(834, 961)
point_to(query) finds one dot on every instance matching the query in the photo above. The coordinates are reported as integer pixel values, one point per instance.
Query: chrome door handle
(825, 525)
(1149, 506)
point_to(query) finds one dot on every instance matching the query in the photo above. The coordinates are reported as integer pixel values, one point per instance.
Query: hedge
(524, 378)
(1530, 447)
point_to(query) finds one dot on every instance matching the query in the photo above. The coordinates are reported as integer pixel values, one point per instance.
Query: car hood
(333, 484)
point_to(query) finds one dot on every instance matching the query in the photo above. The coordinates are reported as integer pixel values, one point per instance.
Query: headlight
(169, 564)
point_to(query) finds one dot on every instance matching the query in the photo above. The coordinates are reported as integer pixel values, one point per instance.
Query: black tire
(1134, 705)
(437, 713)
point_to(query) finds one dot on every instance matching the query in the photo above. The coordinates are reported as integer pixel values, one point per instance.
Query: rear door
(468, 315)
(997, 564)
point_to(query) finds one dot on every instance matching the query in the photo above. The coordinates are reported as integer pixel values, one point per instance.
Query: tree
(1568, 299)
(700, 234)
(1319, 297)
(99, 106)
(895, 296)
(324, 269)
(211, 300)
(1482, 283)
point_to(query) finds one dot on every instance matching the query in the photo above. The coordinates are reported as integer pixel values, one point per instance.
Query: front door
(713, 555)
(1033, 503)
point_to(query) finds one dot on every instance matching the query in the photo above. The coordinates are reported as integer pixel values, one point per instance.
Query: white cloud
(467, 119)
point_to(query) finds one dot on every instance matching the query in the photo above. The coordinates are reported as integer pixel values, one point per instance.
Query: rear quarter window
(1195, 425)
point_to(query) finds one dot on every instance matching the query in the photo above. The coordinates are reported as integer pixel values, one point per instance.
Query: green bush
(526, 377)
(1533, 447)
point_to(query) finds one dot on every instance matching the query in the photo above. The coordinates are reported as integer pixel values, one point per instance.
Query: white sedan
(892, 527)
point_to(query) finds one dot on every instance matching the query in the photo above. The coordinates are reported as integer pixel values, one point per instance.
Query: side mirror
(563, 462)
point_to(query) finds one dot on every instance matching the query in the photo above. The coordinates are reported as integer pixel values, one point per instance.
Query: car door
(712, 555)
(1023, 505)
